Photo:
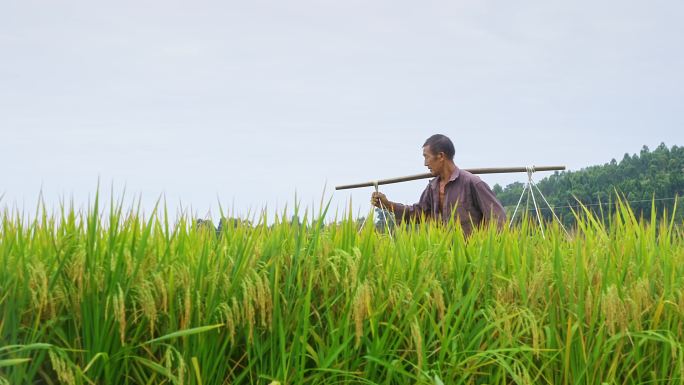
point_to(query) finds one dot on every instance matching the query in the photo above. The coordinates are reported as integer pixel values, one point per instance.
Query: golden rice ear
(119, 308)
(64, 372)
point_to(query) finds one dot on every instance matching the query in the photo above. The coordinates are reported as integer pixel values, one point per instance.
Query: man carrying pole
(452, 190)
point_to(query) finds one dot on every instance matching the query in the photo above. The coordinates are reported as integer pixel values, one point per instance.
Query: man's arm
(406, 212)
(490, 207)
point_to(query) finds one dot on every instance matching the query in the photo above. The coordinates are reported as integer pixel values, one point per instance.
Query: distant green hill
(640, 178)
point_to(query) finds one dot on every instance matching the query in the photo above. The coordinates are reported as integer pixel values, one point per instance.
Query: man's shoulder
(469, 177)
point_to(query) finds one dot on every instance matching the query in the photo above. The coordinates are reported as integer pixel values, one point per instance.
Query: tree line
(644, 179)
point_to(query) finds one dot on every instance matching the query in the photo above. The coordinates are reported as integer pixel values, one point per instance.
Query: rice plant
(124, 298)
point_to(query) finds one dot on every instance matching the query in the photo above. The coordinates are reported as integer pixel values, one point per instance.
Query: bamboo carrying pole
(491, 170)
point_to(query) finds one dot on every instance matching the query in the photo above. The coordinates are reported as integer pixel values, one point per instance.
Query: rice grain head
(160, 287)
(173, 358)
(537, 284)
(361, 306)
(640, 301)
(187, 308)
(399, 294)
(119, 305)
(260, 298)
(128, 262)
(614, 311)
(75, 269)
(38, 282)
(64, 373)
(589, 305)
(437, 299)
(226, 317)
(148, 305)
(199, 308)
(248, 299)
(417, 338)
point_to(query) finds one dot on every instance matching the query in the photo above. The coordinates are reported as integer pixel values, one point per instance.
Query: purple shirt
(473, 200)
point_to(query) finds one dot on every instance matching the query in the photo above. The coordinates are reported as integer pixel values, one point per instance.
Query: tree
(637, 178)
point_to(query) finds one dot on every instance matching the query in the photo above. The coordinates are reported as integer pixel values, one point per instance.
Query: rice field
(123, 298)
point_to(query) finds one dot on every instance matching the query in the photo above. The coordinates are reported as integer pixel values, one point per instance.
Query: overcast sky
(246, 103)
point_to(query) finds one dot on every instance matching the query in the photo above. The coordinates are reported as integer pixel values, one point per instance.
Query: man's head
(438, 151)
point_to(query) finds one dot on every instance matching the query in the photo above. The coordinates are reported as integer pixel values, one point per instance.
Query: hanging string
(529, 189)
(384, 214)
(552, 212)
(383, 211)
(516, 207)
(530, 183)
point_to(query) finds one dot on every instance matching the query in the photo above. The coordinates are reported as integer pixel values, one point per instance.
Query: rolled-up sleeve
(490, 207)
(415, 211)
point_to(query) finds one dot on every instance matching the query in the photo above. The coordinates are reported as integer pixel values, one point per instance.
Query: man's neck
(445, 175)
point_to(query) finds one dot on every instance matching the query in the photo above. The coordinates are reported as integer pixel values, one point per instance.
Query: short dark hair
(440, 143)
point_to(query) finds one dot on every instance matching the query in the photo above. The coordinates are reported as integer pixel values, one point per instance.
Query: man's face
(434, 162)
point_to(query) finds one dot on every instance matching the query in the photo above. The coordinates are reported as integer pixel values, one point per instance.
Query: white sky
(247, 102)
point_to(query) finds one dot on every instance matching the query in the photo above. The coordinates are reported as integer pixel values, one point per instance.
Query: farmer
(452, 190)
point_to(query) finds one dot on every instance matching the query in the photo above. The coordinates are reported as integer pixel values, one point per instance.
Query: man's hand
(377, 198)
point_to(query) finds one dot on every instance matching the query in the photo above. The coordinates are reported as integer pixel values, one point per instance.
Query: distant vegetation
(639, 178)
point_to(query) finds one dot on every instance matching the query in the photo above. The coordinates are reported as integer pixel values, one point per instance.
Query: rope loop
(529, 189)
(384, 212)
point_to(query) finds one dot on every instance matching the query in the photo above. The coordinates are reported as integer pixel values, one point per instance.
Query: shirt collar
(454, 175)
